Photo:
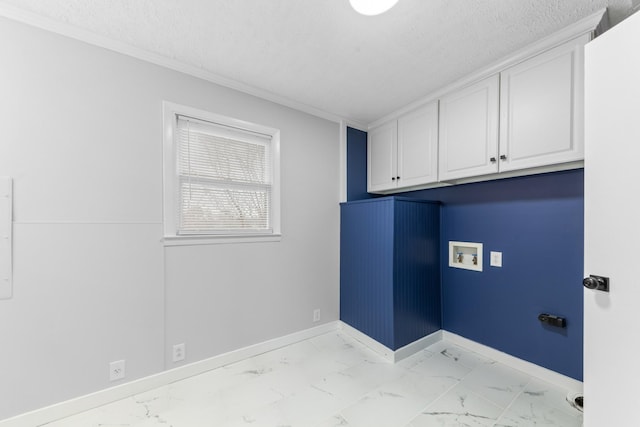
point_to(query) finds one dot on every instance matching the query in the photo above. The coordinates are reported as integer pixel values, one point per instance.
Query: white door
(612, 226)
(540, 123)
(382, 155)
(469, 131)
(418, 146)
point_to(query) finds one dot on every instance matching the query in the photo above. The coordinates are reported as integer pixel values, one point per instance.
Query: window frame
(170, 113)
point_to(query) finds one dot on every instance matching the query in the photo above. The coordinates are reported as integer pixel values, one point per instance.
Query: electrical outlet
(316, 315)
(179, 352)
(496, 259)
(116, 370)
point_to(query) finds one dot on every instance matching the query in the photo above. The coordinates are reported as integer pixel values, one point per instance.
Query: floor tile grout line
(482, 397)
(408, 372)
(516, 397)
(508, 407)
(454, 385)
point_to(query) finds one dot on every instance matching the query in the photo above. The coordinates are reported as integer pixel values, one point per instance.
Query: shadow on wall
(554, 185)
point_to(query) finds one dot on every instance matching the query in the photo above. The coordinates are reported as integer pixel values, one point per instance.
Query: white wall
(81, 134)
(215, 303)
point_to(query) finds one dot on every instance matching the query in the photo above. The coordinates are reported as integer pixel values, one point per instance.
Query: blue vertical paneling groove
(417, 310)
(366, 239)
(389, 269)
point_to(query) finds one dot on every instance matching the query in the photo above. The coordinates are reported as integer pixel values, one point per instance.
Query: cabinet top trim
(596, 22)
(392, 199)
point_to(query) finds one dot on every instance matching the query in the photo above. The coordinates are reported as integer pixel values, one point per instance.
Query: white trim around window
(179, 227)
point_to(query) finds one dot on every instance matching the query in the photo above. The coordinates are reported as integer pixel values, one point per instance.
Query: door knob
(597, 283)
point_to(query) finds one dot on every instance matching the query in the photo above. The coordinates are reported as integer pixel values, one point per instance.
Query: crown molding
(596, 22)
(80, 34)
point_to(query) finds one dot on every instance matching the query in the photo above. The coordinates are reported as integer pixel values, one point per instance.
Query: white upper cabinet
(418, 147)
(541, 113)
(521, 116)
(382, 155)
(469, 130)
(403, 153)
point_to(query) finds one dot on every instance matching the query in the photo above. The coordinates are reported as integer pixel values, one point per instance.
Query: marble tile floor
(333, 380)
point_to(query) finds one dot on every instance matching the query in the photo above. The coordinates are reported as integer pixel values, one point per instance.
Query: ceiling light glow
(372, 7)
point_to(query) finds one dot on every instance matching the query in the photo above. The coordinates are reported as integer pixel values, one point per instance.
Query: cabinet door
(469, 131)
(418, 146)
(382, 157)
(542, 109)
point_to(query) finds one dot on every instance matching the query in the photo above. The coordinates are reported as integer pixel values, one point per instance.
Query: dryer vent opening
(576, 400)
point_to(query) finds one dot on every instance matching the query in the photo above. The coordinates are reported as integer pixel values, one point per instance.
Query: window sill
(217, 240)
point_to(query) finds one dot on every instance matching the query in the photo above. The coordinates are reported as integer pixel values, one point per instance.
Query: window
(221, 177)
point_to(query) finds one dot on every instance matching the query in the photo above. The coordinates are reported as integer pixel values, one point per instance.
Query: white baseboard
(84, 403)
(416, 346)
(529, 368)
(384, 351)
(374, 345)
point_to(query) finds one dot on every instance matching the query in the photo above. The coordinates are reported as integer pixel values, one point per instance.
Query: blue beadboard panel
(366, 268)
(389, 269)
(416, 290)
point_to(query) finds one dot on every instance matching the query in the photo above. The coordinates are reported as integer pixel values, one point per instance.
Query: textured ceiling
(320, 52)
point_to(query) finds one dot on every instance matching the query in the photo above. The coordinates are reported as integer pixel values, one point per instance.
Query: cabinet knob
(397, 177)
(393, 178)
(492, 160)
(503, 157)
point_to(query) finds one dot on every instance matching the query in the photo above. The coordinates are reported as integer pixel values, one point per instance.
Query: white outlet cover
(316, 315)
(496, 259)
(116, 370)
(179, 352)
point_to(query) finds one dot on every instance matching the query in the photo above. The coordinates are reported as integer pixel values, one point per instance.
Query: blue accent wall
(537, 222)
(357, 165)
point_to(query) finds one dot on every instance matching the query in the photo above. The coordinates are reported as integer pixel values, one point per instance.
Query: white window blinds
(224, 179)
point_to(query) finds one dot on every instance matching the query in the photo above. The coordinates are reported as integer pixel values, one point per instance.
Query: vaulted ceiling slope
(322, 54)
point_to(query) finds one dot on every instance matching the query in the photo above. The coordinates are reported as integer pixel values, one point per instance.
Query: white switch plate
(496, 259)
